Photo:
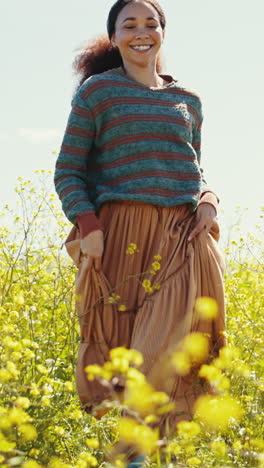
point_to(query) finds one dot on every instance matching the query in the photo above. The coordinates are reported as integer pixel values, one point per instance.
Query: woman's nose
(142, 34)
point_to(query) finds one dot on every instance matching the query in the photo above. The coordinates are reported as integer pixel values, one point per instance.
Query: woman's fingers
(198, 228)
(205, 216)
(92, 247)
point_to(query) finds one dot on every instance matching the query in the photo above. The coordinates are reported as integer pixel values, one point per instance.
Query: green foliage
(41, 423)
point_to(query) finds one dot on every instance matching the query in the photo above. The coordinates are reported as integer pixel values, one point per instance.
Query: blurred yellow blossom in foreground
(218, 412)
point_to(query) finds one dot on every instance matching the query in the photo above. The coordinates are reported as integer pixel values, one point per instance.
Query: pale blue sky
(213, 47)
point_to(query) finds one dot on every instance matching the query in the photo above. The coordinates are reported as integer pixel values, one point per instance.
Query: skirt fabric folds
(153, 323)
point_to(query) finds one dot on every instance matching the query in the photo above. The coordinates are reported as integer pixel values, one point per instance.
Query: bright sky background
(213, 47)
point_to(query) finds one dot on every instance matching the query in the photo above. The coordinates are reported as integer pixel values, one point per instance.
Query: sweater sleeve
(71, 166)
(207, 194)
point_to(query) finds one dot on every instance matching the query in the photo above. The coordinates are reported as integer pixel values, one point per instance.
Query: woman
(129, 173)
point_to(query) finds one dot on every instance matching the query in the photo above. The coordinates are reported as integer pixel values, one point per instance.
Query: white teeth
(146, 47)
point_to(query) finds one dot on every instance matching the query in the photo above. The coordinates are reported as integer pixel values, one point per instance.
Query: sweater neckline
(169, 78)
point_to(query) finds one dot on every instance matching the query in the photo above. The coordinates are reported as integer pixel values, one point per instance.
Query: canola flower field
(41, 422)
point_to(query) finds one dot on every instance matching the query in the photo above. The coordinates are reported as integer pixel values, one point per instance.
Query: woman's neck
(146, 76)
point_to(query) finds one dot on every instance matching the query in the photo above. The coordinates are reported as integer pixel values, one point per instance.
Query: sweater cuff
(211, 198)
(87, 223)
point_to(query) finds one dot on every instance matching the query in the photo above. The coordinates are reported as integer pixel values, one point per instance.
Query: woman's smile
(141, 48)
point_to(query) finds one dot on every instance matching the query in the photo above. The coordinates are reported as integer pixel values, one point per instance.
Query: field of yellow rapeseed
(41, 422)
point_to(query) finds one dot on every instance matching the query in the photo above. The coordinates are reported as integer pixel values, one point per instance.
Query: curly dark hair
(98, 55)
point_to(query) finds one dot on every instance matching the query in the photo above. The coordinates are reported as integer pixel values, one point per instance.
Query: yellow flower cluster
(120, 361)
(132, 248)
(39, 412)
(113, 299)
(206, 308)
(192, 350)
(139, 435)
(142, 397)
(228, 360)
(149, 287)
(188, 429)
(218, 412)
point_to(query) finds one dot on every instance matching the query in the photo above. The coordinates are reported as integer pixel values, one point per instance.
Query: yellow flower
(143, 398)
(174, 448)
(45, 401)
(28, 354)
(34, 452)
(92, 443)
(151, 418)
(156, 266)
(27, 432)
(243, 369)
(6, 446)
(196, 345)
(122, 308)
(56, 462)
(76, 414)
(18, 416)
(147, 285)
(16, 356)
(23, 402)
(135, 357)
(19, 299)
(194, 461)
(206, 308)
(5, 423)
(237, 445)
(132, 248)
(113, 299)
(135, 376)
(157, 257)
(181, 362)
(11, 367)
(210, 373)
(42, 369)
(218, 412)
(188, 429)
(219, 448)
(11, 344)
(68, 386)
(59, 430)
(88, 458)
(141, 436)
(228, 354)
(34, 390)
(5, 375)
(93, 371)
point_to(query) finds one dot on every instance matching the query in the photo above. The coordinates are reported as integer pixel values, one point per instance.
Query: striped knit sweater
(125, 141)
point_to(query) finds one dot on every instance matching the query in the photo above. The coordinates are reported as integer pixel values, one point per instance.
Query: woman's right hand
(92, 247)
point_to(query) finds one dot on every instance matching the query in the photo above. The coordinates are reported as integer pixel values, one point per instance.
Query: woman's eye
(129, 27)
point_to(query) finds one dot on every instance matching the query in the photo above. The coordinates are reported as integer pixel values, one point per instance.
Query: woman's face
(138, 34)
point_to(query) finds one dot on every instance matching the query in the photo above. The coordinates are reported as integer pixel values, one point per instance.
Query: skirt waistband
(139, 203)
(184, 210)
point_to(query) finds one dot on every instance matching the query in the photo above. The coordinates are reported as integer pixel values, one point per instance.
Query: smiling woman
(138, 36)
(129, 174)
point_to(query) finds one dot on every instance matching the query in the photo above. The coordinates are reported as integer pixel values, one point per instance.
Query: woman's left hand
(204, 219)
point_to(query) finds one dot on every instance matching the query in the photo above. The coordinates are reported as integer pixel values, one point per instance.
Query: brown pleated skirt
(153, 323)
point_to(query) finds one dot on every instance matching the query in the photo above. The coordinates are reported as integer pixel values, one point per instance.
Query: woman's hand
(204, 219)
(92, 247)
